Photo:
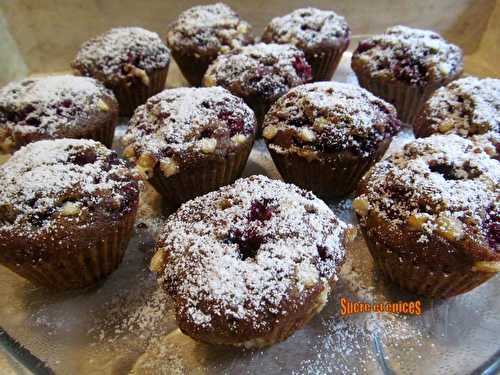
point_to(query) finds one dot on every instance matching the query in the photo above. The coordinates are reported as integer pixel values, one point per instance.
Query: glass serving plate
(126, 325)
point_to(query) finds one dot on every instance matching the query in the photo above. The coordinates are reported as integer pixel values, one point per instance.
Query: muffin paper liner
(104, 133)
(130, 97)
(325, 63)
(193, 68)
(88, 267)
(408, 100)
(199, 179)
(330, 179)
(421, 279)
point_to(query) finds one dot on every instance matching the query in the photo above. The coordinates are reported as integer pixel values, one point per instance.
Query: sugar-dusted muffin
(131, 61)
(325, 136)
(405, 66)
(465, 107)
(189, 141)
(201, 33)
(67, 210)
(430, 215)
(322, 35)
(52, 107)
(251, 263)
(260, 73)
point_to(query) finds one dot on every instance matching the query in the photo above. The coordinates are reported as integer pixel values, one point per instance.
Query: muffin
(61, 106)
(131, 61)
(201, 33)
(67, 210)
(249, 264)
(324, 136)
(322, 35)
(189, 141)
(466, 107)
(430, 216)
(405, 66)
(259, 74)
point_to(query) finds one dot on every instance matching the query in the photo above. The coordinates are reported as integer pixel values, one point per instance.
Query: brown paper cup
(332, 177)
(325, 63)
(193, 68)
(104, 132)
(90, 264)
(420, 279)
(130, 97)
(199, 179)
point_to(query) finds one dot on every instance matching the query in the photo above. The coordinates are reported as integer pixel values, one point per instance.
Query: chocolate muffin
(67, 210)
(201, 33)
(325, 136)
(52, 107)
(249, 264)
(405, 66)
(322, 35)
(430, 215)
(465, 107)
(189, 141)
(131, 61)
(260, 73)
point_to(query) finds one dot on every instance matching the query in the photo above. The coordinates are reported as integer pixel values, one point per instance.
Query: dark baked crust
(249, 263)
(466, 107)
(55, 107)
(415, 57)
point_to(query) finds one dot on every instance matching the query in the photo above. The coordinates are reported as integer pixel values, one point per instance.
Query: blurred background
(43, 36)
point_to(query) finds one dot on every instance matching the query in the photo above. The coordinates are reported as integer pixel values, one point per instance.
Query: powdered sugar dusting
(51, 104)
(248, 244)
(333, 116)
(107, 54)
(40, 178)
(407, 54)
(307, 28)
(465, 107)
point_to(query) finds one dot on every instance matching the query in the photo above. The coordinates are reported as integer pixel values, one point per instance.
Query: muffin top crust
(52, 106)
(465, 107)
(329, 117)
(52, 184)
(249, 252)
(414, 56)
(308, 28)
(180, 125)
(121, 53)
(444, 186)
(208, 29)
(265, 70)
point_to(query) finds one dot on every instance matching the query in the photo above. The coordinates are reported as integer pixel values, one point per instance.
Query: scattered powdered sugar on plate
(50, 104)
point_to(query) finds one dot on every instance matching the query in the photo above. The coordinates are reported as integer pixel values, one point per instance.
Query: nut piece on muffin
(67, 211)
(53, 107)
(260, 73)
(251, 263)
(131, 61)
(430, 215)
(322, 35)
(405, 66)
(466, 107)
(325, 136)
(201, 33)
(189, 141)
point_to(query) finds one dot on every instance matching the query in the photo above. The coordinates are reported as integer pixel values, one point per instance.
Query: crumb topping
(409, 55)
(50, 105)
(180, 124)
(267, 70)
(116, 54)
(209, 28)
(307, 28)
(329, 116)
(48, 184)
(444, 185)
(465, 107)
(246, 250)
